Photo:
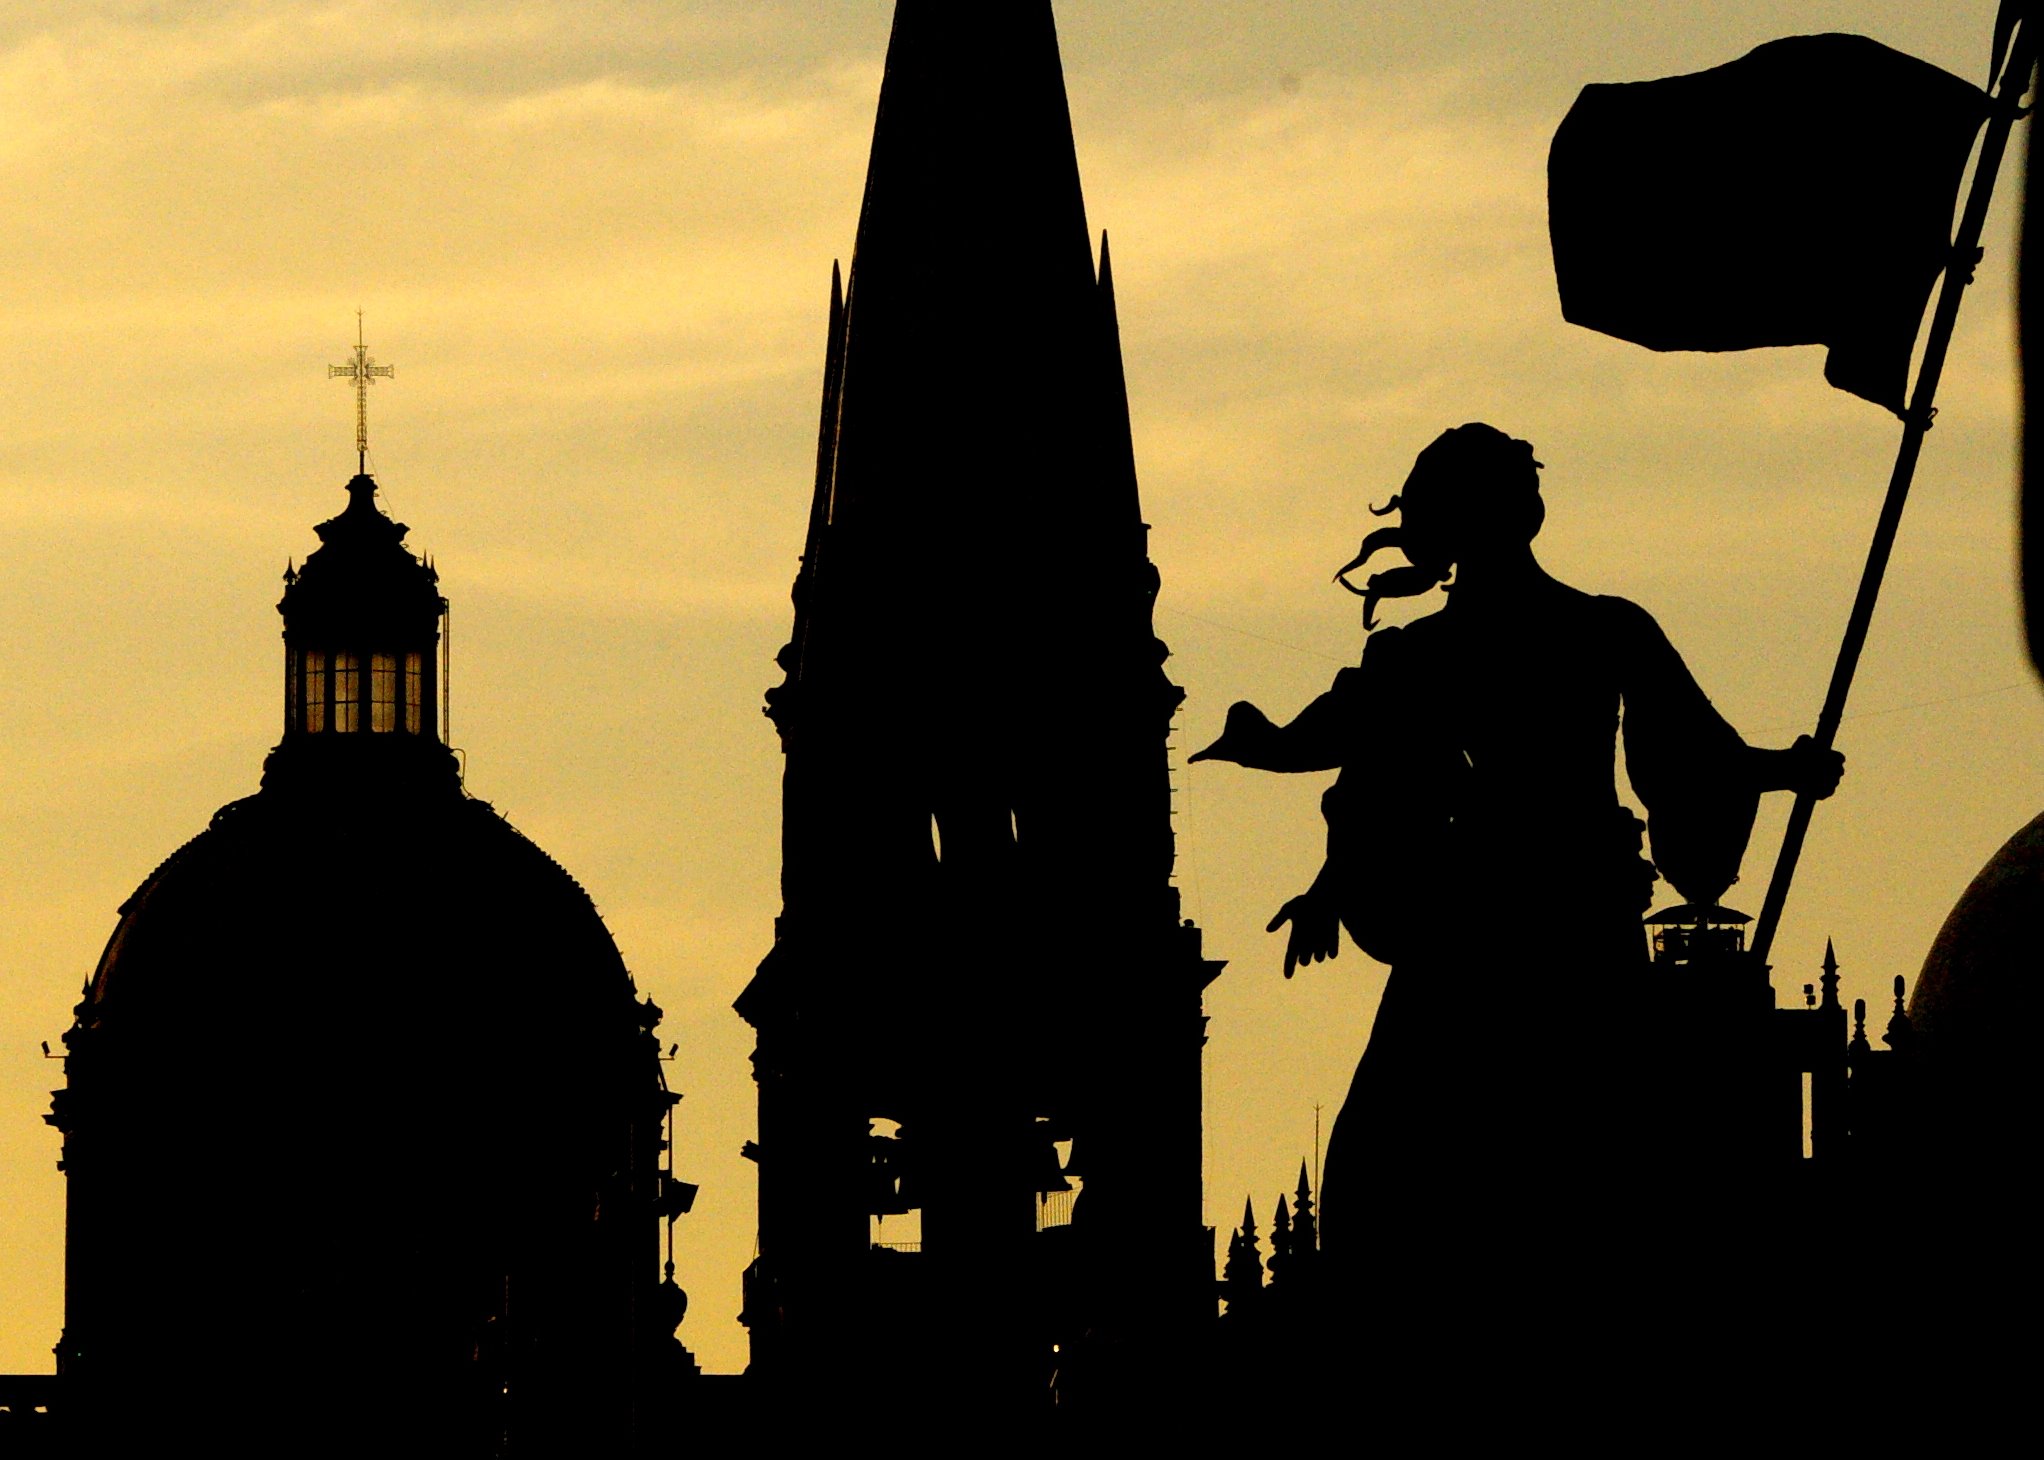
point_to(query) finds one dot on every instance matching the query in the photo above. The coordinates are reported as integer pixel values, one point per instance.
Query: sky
(595, 241)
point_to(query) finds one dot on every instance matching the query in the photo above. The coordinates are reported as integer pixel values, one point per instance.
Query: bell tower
(980, 1021)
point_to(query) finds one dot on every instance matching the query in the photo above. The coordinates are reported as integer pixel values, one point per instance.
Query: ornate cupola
(362, 629)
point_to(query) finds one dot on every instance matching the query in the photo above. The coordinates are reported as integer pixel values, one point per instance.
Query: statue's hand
(1246, 728)
(1814, 772)
(1316, 929)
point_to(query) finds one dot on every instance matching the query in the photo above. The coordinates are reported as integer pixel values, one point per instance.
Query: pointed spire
(781, 697)
(1305, 1247)
(827, 425)
(1119, 440)
(1280, 1241)
(1830, 978)
(1242, 1278)
(972, 142)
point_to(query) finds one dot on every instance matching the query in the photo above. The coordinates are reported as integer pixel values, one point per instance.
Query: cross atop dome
(361, 371)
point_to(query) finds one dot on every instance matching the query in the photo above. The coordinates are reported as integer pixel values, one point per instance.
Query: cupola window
(347, 694)
(415, 692)
(315, 690)
(382, 694)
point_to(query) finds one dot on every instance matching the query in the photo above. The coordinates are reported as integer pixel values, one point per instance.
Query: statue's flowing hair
(1474, 476)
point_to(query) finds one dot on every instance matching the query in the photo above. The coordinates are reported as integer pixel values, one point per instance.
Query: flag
(1800, 195)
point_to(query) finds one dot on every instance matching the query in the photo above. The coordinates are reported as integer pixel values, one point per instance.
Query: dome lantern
(362, 628)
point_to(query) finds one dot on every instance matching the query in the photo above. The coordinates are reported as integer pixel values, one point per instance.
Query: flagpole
(2004, 110)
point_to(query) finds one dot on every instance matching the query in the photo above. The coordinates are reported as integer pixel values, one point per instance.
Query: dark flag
(1800, 195)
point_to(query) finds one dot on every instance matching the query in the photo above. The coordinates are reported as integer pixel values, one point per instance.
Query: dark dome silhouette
(1975, 1005)
(363, 1109)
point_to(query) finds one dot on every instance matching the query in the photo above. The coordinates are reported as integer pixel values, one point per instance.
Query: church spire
(971, 299)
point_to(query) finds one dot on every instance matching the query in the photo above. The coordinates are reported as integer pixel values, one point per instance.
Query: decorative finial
(1830, 980)
(1900, 1032)
(1859, 1049)
(360, 371)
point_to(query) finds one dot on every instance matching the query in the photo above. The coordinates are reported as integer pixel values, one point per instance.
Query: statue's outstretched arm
(1318, 738)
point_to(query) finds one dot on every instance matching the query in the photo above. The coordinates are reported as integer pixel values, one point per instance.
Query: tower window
(382, 694)
(347, 694)
(415, 693)
(315, 690)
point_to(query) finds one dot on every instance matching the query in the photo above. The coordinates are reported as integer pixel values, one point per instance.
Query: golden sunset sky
(595, 240)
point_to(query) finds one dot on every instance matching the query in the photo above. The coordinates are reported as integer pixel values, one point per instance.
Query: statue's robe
(1510, 1090)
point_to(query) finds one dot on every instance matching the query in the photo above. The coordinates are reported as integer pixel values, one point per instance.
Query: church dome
(1980, 982)
(367, 914)
(361, 1097)
(1975, 1005)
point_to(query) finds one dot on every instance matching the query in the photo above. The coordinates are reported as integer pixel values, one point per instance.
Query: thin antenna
(360, 371)
(446, 671)
(1316, 1149)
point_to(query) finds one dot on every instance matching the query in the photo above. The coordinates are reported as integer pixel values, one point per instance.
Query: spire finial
(1830, 979)
(1900, 1031)
(360, 371)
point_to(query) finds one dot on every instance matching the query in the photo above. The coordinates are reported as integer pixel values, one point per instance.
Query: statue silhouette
(1475, 842)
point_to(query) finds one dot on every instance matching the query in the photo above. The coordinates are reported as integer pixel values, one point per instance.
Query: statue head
(1473, 493)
